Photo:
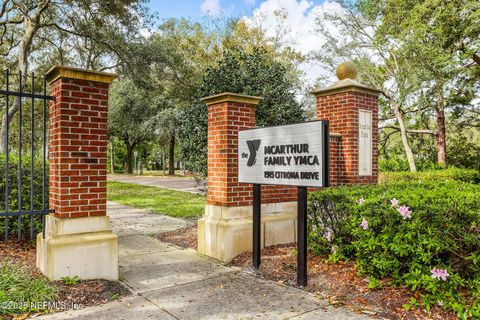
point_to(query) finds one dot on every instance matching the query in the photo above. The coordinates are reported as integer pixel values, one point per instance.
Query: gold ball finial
(346, 70)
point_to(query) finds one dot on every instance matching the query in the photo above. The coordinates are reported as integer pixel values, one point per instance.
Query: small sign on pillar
(365, 142)
(293, 155)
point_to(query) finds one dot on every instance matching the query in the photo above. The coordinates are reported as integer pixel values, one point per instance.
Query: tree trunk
(171, 156)
(129, 157)
(163, 160)
(31, 27)
(112, 164)
(8, 116)
(406, 144)
(441, 132)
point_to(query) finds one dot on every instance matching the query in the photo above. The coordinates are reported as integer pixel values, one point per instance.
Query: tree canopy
(255, 73)
(427, 70)
(424, 55)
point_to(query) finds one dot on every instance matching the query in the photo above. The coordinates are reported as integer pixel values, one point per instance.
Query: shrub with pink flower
(394, 202)
(439, 274)
(329, 235)
(405, 212)
(364, 224)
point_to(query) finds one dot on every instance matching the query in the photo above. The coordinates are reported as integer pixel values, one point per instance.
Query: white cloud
(295, 21)
(211, 8)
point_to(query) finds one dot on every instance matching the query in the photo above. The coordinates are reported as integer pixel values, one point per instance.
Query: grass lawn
(157, 200)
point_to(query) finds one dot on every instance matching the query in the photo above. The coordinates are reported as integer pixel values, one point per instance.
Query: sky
(299, 25)
(197, 8)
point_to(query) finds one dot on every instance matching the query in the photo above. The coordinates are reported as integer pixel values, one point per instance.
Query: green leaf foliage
(24, 222)
(457, 174)
(20, 290)
(443, 232)
(70, 281)
(255, 73)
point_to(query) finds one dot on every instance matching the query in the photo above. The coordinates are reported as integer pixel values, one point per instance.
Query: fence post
(78, 238)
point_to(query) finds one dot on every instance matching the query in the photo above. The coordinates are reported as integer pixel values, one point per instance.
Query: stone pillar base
(83, 247)
(225, 232)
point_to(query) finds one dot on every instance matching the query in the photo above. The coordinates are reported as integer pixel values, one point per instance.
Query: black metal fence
(26, 202)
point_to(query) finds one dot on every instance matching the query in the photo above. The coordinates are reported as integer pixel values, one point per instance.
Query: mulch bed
(184, 237)
(84, 293)
(336, 282)
(91, 292)
(18, 252)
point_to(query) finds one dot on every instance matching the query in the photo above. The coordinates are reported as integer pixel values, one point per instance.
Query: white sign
(294, 155)
(364, 143)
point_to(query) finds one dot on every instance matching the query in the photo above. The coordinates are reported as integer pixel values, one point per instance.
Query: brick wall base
(83, 247)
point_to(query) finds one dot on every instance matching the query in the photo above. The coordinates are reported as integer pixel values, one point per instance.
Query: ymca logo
(253, 146)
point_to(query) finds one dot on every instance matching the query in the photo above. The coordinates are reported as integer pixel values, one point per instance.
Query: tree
(380, 66)
(28, 26)
(179, 53)
(132, 115)
(401, 47)
(439, 26)
(437, 37)
(167, 131)
(257, 74)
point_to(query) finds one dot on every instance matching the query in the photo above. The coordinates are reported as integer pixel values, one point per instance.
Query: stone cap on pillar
(231, 97)
(346, 74)
(58, 72)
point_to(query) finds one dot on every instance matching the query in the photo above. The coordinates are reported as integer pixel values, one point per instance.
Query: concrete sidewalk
(174, 183)
(173, 283)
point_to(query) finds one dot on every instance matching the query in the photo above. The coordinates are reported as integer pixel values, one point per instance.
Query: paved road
(174, 183)
(172, 283)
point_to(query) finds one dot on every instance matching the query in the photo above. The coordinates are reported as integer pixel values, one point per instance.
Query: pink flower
(364, 224)
(394, 202)
(361, 201)
(405, 212)
(439, 274)
(329, 235)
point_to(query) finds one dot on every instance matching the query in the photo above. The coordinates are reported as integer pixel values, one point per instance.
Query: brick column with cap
(226, 229)
(78, 241)
(352, 109)
(227, 114)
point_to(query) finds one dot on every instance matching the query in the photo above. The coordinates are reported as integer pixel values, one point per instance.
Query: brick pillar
(227, 115)
(226, 229)
(352, 109)
(78, 240)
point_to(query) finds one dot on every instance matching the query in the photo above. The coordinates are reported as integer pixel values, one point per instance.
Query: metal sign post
(302, 237)
(293, 155)
(257, 224)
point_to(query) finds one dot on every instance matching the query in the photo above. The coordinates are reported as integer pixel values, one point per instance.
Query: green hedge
(465, 175)
(13, 192)
(442, 233)
(400, 165)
